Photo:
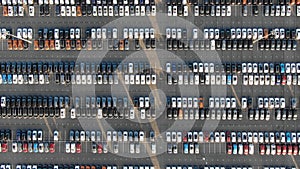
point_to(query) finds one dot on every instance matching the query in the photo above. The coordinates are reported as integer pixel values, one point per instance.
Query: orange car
(68, 44)
(201, 102)
(266, 33)
(121, 45)
(52, 46)
(15, 44)
(5, 11)
(46, 47)
(78, 45)
(93, 167)
(20, 45)
(292, 2)
(82, 167)
(36, 45)
(9, 44)
(78, 10)
(180, 114)
(298, 2)
(103, 167)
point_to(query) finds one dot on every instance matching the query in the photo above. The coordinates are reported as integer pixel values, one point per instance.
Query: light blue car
(185, 148)
(282, 68)
(4, 80)
(9, 79)
(35, 148)
(229, 77)
(234, 149)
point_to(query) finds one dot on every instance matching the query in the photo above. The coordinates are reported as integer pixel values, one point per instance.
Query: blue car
(185, 148)
(278, 80)
(4, 80)
(282, 68)
(9, 79)
(228, 79)
(234, 149)
(288, 137)
(35, 148)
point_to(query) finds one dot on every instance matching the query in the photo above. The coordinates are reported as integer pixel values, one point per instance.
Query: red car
(228, 135)
(246, 149)
(100, 148)
(283, 150)
(278, 148)
(262, 149)
(52, 147)
(295, 150)
(78, 147)
(184, 139)
(290, 150)
(283, 80)
(229, 148)
(4, 147)
(25, 147)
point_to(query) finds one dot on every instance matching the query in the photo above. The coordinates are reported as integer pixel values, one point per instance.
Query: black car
(42, 10)
(153, 44)
(47, 8)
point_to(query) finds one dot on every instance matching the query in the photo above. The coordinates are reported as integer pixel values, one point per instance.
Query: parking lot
(152, 118)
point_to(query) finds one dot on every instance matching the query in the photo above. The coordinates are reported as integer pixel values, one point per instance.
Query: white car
(14, 147)
(170, 13)
(196, 10)
(68, 146)
(55, 135)
(174, 10)
(31, 10)
(185, 10)
(206, 34)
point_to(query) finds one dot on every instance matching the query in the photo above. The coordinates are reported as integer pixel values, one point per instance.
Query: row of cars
(250, 33)
(96, 2)
(268, 102)
(195, 137)
(71, 67)
(277, 44)
(29, 135)
(203, 114)
(286, 114)
(18, 10)
(202, 79)
(105, 10)
(207, 10)
(131, 136)
(256, 79)
(75, 166)
(278, 68)
(33, 107)
(263, 137)
(233, 137)
(16, 2)
(33, 147)
(259, 114)
(243, 44)
(275, 102)
(238, 2)
(280, 10)
(278, 149)
(241, 149)
(207, 167)
(35, 101)
(178, 10)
